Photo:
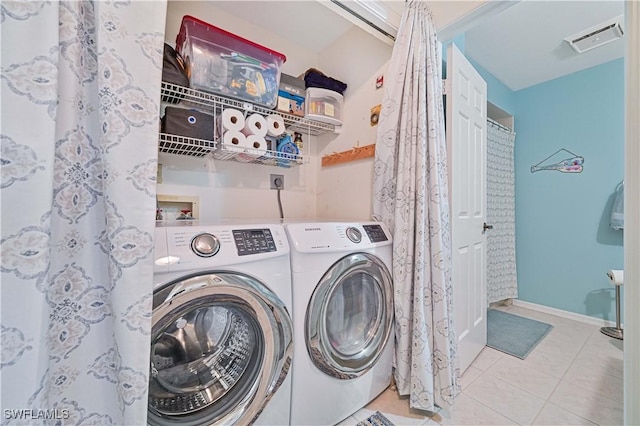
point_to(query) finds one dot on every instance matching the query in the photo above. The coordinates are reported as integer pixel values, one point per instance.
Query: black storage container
(189, 123)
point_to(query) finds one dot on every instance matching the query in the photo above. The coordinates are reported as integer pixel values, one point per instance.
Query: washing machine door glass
(350, 315)
(220, 348)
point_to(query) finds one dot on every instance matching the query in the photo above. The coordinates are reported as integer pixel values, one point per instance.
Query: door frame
(632, 217)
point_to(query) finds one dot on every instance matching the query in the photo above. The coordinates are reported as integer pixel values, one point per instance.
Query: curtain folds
(502, 281)
(410, 197)
(80, 101)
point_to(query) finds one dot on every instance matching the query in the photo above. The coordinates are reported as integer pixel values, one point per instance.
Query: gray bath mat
(376, 419)
(513, 334)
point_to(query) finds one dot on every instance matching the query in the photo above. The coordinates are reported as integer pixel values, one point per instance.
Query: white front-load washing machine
(222, 336)
(343, 318)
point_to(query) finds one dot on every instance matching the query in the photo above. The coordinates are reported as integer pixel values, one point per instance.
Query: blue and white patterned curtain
(502, 280)
(80, 101)
(410, 197)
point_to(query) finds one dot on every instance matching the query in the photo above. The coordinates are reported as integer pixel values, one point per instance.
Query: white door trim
(632, 217)
(586, 319)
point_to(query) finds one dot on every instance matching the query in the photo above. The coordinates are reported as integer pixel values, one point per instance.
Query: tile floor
(573, 377)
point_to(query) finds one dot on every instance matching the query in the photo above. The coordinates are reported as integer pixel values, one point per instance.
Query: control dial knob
(205, 245)
(354, 234)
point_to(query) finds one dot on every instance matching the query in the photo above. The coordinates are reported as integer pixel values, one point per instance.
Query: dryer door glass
(354, 313)
(219, 344)
(349, 317)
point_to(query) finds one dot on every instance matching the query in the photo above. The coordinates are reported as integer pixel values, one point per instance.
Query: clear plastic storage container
(324, 105)
(221, 62)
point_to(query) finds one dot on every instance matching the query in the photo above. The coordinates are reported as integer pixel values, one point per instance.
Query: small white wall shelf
(175, 207)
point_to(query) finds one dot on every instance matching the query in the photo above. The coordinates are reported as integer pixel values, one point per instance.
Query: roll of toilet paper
(255, 124)
(234, 138)
(616, 276)
(275, 125)
(256, 143)
(231, 119)
(235, 145)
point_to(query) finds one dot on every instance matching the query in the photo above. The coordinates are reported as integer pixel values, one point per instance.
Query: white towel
(617, 210)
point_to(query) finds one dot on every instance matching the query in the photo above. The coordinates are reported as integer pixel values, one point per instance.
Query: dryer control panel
(337, 236)
(375, 232)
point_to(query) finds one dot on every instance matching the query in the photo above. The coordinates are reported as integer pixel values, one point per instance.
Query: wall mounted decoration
(568, 165)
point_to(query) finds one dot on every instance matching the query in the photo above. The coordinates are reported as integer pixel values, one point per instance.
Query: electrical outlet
(275, 180)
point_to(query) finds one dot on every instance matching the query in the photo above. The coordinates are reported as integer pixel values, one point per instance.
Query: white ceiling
(308, 23)
(524, 45)
(521, 46)
(316, 24)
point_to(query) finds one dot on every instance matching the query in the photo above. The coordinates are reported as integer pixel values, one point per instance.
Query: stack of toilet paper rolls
(249, 134)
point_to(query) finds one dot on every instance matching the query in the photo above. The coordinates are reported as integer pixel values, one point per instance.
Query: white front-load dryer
(343, 318)
(222, 337)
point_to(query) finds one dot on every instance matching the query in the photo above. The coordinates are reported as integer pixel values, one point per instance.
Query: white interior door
(467, 148)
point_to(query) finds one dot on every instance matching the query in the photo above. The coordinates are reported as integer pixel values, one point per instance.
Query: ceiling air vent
(597, 36)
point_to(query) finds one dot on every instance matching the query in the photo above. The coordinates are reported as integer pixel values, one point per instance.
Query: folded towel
(617, 210)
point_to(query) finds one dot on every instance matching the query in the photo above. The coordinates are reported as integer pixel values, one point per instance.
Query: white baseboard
(565, 314)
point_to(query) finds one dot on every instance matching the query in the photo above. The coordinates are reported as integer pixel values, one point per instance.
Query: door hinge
(446, 86)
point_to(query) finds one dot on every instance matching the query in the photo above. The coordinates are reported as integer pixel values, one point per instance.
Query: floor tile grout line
(549, 400)
(569, 381)
(570, 364)
(570, 412)
(521, 388)
(595, 391)
(608, 374)
(492, 409)
(473, 381)
(545, 400)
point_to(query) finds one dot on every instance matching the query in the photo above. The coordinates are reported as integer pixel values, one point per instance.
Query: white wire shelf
(247, 155)
(217, 103)
(181, 145)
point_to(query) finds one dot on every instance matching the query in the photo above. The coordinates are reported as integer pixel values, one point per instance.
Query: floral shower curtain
(502, 281)
(80, 102)
(410, 197)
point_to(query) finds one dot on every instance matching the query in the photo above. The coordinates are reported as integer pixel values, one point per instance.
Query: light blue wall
(564, 243)
(497, 93)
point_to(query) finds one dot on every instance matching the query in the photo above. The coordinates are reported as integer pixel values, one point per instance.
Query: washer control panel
(253, 241)
(190, 247)
(376, 233)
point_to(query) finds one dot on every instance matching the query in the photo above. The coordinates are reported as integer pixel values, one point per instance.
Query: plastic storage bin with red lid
(224, 63)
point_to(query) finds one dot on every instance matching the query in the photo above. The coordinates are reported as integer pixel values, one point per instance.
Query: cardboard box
(291, 95)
